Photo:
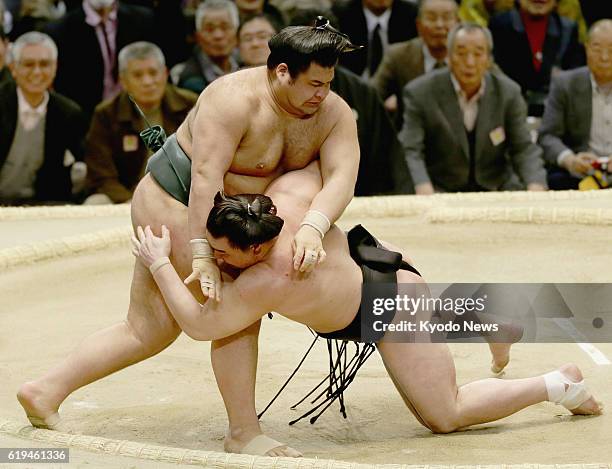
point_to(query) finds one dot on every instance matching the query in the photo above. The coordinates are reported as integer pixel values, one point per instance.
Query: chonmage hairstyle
(299, 46)
(244, 219)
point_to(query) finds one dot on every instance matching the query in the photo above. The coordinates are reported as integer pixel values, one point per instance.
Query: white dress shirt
(372, 21)
(28, 115)
(469, 107)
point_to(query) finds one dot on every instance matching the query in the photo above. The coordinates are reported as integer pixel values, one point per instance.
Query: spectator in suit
(464, 128)
(405, 61)
(530, 43)
(382, 168)
(217, 23)
(577, 124)
(115, 155)
(5, 74)
(89, 38)
(375, 24)
(41, 132)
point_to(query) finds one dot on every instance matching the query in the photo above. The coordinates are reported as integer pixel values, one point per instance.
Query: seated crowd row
(459, 107)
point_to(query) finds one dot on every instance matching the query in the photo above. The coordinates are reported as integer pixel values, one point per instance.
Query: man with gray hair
(115, 155)
(405, 61)
(577, 125)
(217, 24)
(41, 131)
(465, 127)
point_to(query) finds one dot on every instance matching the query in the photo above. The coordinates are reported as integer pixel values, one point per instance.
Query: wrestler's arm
(339, 158)
(218, 127)
(242, 304)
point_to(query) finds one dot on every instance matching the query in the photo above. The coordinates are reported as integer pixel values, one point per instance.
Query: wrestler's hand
(148, 247)
(205, 269)
(307, 249)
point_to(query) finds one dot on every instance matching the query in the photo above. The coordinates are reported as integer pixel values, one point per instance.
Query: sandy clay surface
(172, 399)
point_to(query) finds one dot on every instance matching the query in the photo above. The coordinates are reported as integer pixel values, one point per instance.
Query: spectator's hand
(391, 103)
(580, 163)
(148, 247)
(307, 249)
(425, 188)
(536, 187)
(205, 269)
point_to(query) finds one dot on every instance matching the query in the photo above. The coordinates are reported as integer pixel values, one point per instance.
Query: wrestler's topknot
(244, 219)
(300, 46)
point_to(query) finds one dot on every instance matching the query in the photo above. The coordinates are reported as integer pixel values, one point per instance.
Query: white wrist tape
(200, 249)
(158, 264)
(317, 220)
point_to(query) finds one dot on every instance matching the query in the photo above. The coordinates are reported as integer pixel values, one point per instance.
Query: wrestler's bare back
(328, 298)
(273, 141)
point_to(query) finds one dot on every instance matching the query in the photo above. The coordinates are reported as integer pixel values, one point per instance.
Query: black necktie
(376, 50)
(439, 64)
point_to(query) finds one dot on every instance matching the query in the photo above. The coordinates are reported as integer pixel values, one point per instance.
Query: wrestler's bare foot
(41, 412)
(500, 357)
(589, 407)
(500, 351)
(236, 441)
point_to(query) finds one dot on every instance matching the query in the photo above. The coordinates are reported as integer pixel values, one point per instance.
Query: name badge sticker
(497, 136)
(130, 143)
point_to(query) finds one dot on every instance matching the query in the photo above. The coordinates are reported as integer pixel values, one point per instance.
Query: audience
(465, 128)
(375, 24)
(532, 42)
(217, 23)
(577, 124)
(115, 155)
(253, 36)
(89, 38)
(405, 61)
(41, 131)
(480, 11)
(34, 15)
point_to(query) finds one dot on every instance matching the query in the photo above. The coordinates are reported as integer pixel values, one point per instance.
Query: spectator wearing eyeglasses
(253, 36)
(41, 132)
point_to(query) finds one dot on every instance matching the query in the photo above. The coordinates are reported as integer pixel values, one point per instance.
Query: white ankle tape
(572, 397)
(554, 387)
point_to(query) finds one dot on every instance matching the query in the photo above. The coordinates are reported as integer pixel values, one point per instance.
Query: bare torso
(328, 299)
(275, 142)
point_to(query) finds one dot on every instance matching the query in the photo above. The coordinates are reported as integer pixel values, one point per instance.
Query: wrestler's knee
(442, 424)
(248, 335)
(153, 336)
